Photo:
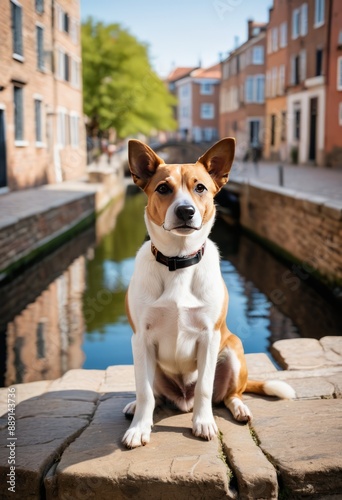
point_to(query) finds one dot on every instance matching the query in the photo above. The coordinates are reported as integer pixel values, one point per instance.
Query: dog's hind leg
(231, 379)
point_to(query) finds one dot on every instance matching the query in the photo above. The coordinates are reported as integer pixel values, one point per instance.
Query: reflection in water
(108, 334)
(42, 324)
(68, 310)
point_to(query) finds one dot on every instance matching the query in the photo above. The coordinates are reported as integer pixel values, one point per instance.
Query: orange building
(276, 73)
(242, 96)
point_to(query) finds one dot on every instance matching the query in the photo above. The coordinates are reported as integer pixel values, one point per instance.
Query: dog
(177, 301)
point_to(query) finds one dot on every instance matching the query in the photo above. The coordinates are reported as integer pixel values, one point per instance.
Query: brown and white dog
(177, 301)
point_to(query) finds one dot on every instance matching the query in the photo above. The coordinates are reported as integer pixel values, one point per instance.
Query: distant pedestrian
(110, 151)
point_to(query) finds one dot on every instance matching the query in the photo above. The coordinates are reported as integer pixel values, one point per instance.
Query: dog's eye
(164, 189)
(200, 188)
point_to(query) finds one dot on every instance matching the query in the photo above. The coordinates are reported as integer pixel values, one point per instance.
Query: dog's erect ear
(143, 162)
(218, 160)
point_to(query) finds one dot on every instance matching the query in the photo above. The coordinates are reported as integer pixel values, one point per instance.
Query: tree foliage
(120, 88)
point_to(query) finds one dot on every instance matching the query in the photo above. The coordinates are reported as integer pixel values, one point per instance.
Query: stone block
(173, 465)
(312, 388)
(40, 441)
(118, 379)
(258, 364)
(299, 354)
(255, 475)
(303, 441)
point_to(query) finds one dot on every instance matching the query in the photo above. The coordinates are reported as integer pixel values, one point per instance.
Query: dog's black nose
(185, 212)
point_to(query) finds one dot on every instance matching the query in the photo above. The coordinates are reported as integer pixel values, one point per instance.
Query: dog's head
(181, 197)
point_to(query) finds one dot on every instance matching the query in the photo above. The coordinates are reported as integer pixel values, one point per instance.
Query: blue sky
(181, 32)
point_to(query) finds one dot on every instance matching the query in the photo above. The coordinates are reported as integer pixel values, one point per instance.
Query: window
(319, 13)
(304, 19)
(18, 114)
(255, 89)
(66, 67)
(40, 6)
(17, 30)
(207, 111)
(206, 88)
(61, 128)
(269, 41)
(294, 70)
(295, 23)
(339, 73)
(281, 89)
(283, 126)
(260, 88)
(60, 64)
(274, 39)
(40, 47)
(249, 89)
(319, 62)
(74, 28)
(302, 65)
(339, 40)
(63, 65)
(65, 22)
(185, 90)
(74, 130)
(274, 82)
(63, 19)
(258, 55)
(254, 128)
(283, 35)
(268, 84)
(296, 128)
(75, 73)
(273, 129)
(340, 114)
(185, 111)
(38, 120)
(209, 134)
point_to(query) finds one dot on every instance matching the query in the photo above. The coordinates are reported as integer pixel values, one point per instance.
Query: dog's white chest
(175, 324)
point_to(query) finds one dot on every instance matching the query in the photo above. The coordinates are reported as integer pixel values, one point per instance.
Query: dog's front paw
(206, 429)
(137, 435)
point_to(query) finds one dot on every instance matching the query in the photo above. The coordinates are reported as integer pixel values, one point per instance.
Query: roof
(180, 72)
(211, 72)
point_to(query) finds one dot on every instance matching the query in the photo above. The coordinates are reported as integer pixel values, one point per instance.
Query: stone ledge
(308, 354)
(70, 434)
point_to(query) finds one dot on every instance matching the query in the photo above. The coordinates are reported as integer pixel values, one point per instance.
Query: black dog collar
(174, 263)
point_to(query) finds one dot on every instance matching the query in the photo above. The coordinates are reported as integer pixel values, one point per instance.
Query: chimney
(250, 28)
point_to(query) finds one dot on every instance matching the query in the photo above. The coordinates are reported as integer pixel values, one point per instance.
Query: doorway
(313, 128)
(3, 164)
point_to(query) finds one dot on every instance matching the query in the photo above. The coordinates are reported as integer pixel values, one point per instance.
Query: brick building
(308, 60)
(42, 135)
(198, 94)
(275, 147)
(333, 109)
(242, 102)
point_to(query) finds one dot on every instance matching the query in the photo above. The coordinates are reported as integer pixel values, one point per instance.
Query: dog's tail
(271, 388)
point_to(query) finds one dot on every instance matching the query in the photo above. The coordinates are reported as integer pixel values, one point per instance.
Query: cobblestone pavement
(318, 181)
(68, 437)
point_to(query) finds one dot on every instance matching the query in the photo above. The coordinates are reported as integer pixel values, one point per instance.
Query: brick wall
(19, 239)
(309, 228)
(30, 163)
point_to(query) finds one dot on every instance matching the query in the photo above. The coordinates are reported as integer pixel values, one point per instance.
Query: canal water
(67, 311)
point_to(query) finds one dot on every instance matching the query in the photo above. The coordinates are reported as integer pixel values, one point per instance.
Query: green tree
(120, 88)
